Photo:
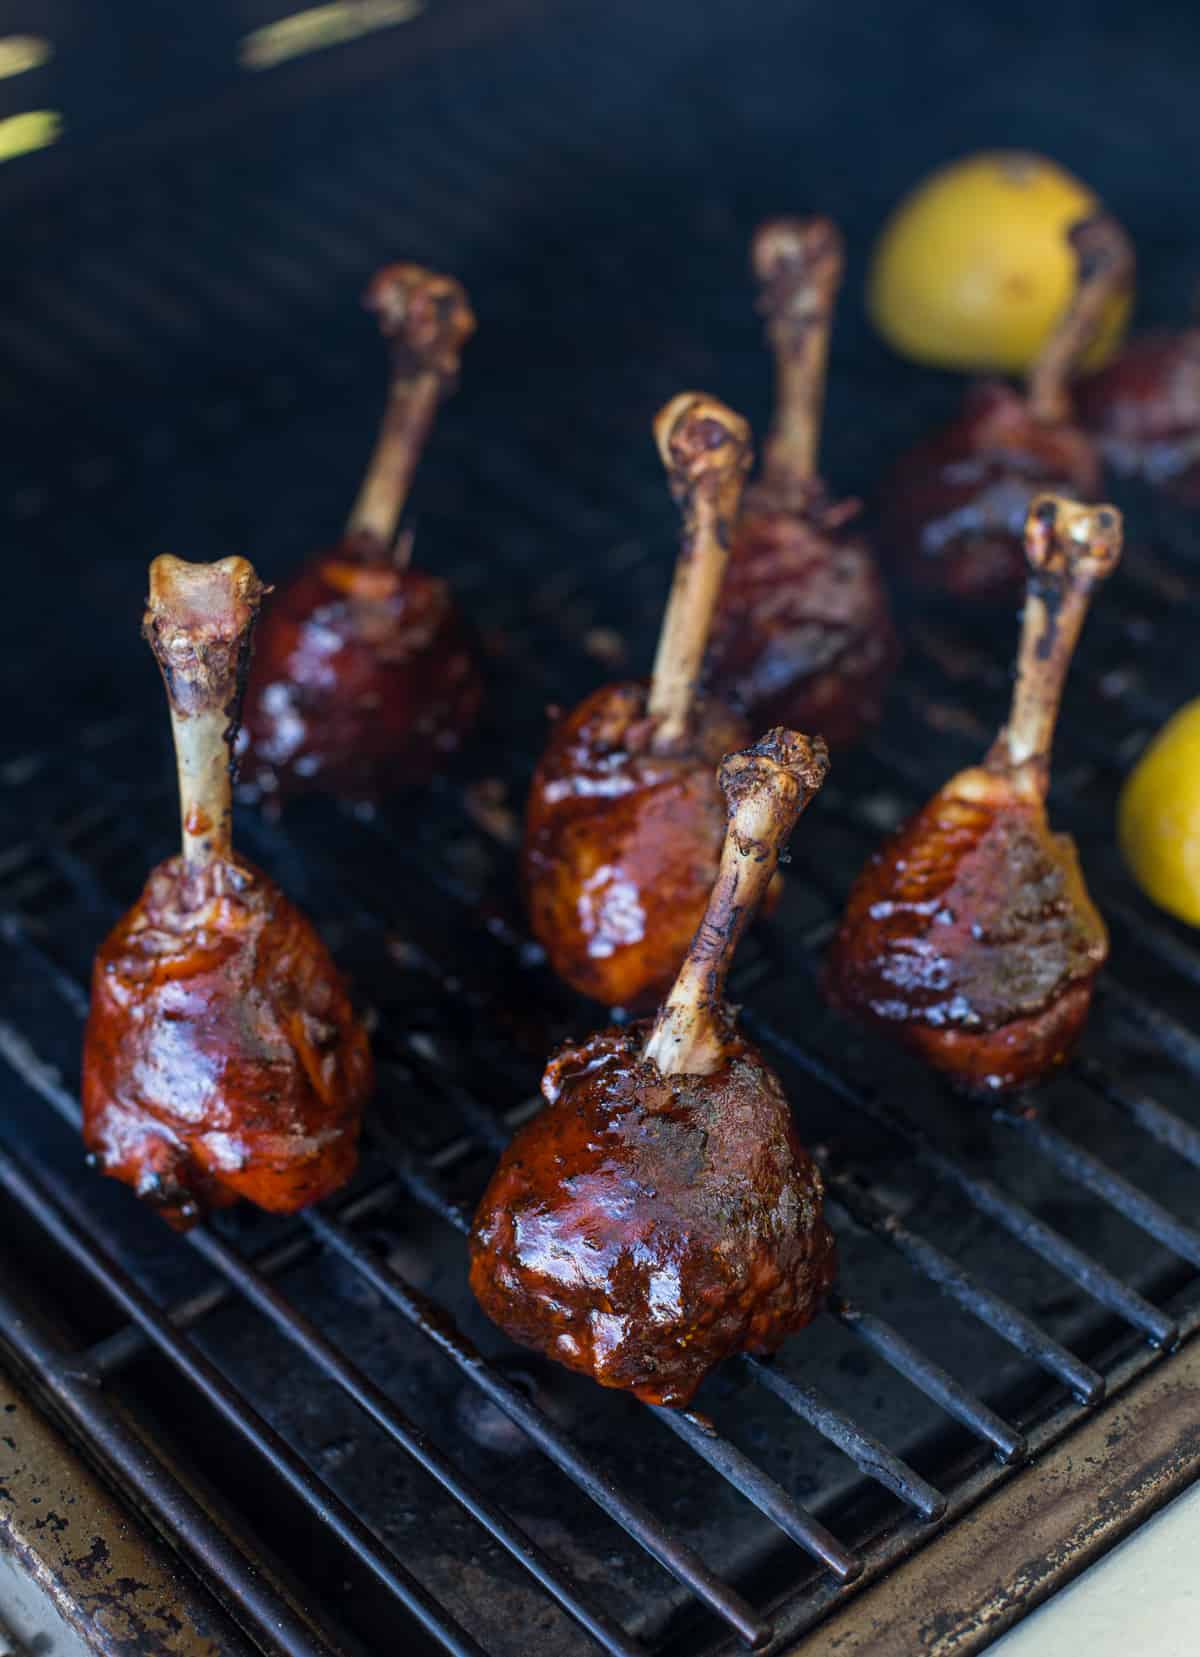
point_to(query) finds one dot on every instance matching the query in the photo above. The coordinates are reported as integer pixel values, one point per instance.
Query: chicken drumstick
(660, 1213)
(222, 1058)
(970, 936)
(803, 634)
(625, 820)
(365, 676)
(953, 511)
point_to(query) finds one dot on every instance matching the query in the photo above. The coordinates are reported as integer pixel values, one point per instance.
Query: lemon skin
(1158, 818)
(973, 268)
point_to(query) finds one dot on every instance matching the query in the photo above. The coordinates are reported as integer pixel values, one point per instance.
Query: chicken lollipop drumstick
(1143, 409)
(660, 1214)
(970, 937)
(365, 676)
(222, 1058)
(803, 634)
(625, 819)
(953, 511)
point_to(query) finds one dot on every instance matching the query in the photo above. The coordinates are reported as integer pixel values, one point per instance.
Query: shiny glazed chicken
(970, 937)
(803, 635)
(365, 676)
(1144, 411)
(951, 515)
(625, 820)
(660, 1214)
(222, 1058)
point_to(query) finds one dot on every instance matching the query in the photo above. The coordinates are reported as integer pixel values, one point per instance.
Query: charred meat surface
(953, 511)
(660, 1214)
(366, 675)
(970, 936)
(1144, 411)
(803, 634)
(222, 1058)
(625, 820)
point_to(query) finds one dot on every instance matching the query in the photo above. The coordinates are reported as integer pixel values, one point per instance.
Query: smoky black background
(184, 367)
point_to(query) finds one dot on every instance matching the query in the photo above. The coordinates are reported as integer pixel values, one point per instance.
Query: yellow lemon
(973, 268)
(1158, 819)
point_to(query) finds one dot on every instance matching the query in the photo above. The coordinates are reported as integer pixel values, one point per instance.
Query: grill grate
(354, 1446)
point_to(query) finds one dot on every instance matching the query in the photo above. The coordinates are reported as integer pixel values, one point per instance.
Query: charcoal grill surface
(185, 370)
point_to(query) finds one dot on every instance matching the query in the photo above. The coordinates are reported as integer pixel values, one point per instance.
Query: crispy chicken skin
(365, 679)
(1144, 411)
(803, 634)
(970, 937)
(660, 1213)
(952, 512)
(625, 819)
(690, 1226)
(222, 1057)
(622, 844)
(366, 675)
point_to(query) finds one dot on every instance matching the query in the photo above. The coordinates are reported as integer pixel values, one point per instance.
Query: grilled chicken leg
(970, 937)
(222, 1058)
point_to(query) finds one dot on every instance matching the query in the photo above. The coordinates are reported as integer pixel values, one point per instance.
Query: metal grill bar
(374, 1402)
(156, 1487)
(866, 1452)
(768, 1496)
(1155, 1119)
(84, 1246)
(998, 1314)
(1091, 1276)
(680, 1560)
(1120, 1193)
(932, 1380)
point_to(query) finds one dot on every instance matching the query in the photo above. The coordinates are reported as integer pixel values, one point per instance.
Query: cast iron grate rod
(108, 1356)
(984, 1194)
(82, 1241)
(259, 1605)
(930, 1378)
(1155, 1119)
(1113, 1188)
(989, 1308)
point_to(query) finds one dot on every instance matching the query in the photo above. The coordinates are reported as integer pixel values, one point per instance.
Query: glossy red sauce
(622, 844)
(222, 1058)
(642, 1228)
(364, 679)
(970, 937)
(803, 636)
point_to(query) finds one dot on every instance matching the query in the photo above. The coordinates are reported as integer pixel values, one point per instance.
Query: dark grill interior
(185, 369)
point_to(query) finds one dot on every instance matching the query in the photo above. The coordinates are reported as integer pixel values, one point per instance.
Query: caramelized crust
(622, 843)
(954, 509)
(1145, 410)
(690, 1226)
(222, 1058)
(364, 679)
(970, 936)
(803, 635)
